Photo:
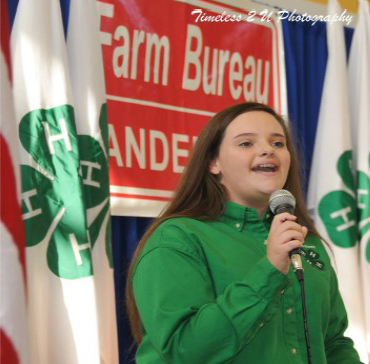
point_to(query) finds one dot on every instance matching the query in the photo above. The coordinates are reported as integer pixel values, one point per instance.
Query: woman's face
(253, 160)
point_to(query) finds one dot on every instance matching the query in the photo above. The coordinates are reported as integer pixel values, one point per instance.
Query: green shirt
(206, 293)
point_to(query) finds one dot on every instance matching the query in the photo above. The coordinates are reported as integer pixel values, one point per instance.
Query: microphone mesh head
(280, 197)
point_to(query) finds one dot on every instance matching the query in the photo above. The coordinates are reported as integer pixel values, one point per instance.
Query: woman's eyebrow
(278, 135)
(254, 134)
(245, 134)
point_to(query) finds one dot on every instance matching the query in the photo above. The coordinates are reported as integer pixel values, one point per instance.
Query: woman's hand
(285, 235)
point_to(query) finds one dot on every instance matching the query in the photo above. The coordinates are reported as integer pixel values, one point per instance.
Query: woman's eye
(278, 144)
(245, 144)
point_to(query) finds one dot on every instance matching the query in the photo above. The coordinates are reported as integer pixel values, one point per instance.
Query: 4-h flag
(331, 194)
(64, 170)
(88, 88)
(359, 90)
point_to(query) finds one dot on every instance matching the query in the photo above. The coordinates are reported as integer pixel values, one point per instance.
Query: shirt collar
(237, 215)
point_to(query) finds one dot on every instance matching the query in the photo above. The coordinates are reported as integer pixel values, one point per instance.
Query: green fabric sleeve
(183, 318)
(339, 348)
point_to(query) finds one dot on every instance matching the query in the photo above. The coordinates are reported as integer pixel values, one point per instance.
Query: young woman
(211, 280)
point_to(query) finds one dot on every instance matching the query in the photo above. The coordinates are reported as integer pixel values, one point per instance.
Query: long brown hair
(200, 195)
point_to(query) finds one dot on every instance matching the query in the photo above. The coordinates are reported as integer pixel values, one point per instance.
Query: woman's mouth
(265, 168)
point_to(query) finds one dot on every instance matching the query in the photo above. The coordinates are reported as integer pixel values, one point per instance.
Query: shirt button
(294, 351)
(289, 311)
(237, 225)
(268, 215)
(282, 291)
(262, 324)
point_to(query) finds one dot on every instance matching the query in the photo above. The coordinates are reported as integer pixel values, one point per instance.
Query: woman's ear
(213, 167)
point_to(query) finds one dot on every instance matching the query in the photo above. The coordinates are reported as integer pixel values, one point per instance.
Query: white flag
(61, 288)
(13, 320)
(88, 88)
(331, 193)
(359, 90)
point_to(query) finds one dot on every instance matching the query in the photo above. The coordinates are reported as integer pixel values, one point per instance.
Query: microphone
(283, 201)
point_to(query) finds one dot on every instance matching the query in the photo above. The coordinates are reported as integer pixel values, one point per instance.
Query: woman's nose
(266, 151)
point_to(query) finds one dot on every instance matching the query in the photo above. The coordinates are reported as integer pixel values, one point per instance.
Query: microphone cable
(283, 201)
(299, 273)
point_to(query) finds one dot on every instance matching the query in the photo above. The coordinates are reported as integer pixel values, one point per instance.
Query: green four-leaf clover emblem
(346, 218)
(65, 188)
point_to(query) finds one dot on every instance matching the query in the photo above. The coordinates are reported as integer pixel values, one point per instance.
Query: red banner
(169, 66)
